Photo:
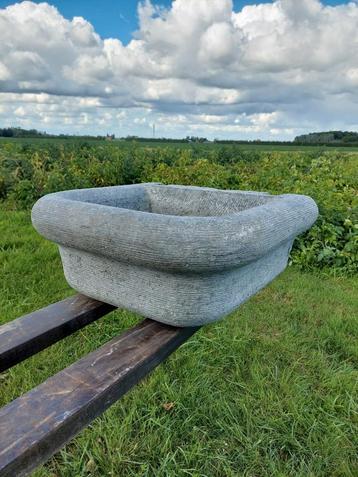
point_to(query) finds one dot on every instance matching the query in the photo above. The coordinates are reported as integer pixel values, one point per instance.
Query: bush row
(27, 172)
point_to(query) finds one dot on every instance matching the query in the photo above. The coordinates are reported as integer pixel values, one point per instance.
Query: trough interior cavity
(187, 201)
(172, 200)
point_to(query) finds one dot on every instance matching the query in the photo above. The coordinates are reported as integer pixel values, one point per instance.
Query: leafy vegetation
(28, 171)
(277, 397)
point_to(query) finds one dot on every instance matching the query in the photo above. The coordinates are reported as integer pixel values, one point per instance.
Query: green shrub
(331, 179)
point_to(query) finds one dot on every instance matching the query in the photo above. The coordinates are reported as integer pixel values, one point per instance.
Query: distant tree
(6, 132)
(329, 137)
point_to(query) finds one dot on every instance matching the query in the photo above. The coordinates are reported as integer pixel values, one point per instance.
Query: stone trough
(180, 255)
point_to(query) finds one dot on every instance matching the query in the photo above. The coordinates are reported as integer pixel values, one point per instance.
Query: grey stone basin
(181, 255)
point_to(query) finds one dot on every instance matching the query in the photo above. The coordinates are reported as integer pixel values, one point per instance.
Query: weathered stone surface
(177, 254)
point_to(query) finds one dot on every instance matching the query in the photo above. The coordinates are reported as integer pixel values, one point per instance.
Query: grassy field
(269, 391)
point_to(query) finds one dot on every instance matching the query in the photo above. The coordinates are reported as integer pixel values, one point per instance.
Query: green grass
(269, 391)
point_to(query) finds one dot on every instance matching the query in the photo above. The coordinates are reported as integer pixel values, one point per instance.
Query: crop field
(41, 142)
(270, 390)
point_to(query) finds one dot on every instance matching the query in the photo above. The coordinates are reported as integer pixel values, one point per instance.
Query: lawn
(269, 391)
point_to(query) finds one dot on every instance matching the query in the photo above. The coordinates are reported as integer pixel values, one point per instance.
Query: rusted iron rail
(37, 424)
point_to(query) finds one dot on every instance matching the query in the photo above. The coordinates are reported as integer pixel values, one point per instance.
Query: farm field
(269, 391)
(181, 145)
(277, 397)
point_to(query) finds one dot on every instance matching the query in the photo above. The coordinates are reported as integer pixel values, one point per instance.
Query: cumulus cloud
(273, 69)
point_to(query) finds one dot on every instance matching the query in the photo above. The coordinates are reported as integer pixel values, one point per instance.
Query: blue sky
(274, 70)
(118, 18)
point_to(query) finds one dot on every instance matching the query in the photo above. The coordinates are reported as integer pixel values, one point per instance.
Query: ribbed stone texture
(177, 254)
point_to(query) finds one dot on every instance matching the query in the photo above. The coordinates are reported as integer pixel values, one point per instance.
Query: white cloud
(281, 68)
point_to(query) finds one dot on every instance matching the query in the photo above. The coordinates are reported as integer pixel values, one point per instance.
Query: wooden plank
(36, 425)
(32, 333)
